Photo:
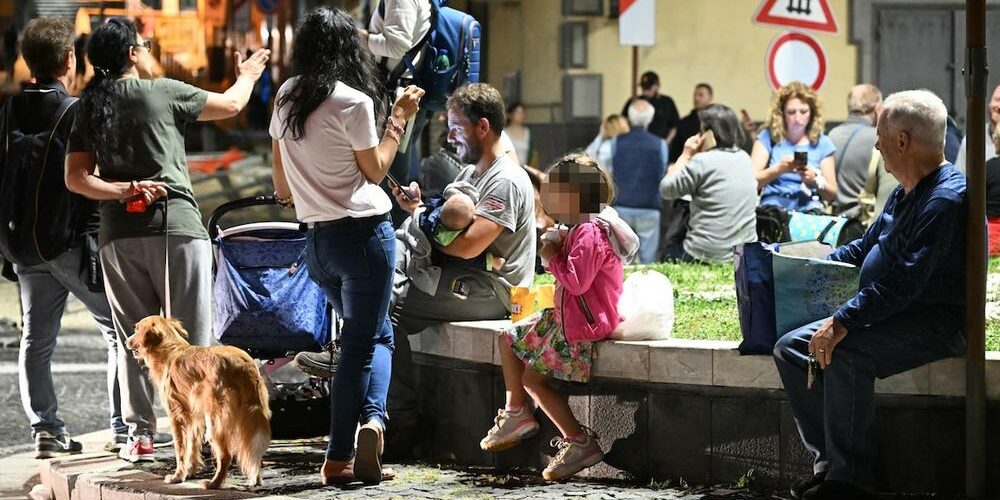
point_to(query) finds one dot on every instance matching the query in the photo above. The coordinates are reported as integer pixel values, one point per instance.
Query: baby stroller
(267, 305)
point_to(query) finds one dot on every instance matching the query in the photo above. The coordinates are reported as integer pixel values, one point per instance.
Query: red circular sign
(792, 55)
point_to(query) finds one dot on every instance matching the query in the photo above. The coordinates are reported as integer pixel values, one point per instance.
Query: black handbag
(772, 224)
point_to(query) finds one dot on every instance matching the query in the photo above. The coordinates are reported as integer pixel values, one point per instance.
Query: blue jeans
(44, 290)
(646, 224)
(354, 261)
(836, 418)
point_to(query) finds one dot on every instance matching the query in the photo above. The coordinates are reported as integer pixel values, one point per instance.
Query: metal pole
(975, 277)
(635, 69)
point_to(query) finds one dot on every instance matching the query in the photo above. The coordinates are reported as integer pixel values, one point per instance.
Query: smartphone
(707, 141)
(801, 158)
(394, 183)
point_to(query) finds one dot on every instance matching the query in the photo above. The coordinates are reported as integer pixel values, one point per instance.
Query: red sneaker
(138, 449)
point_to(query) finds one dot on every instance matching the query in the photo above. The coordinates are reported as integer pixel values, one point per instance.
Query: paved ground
(290, 470)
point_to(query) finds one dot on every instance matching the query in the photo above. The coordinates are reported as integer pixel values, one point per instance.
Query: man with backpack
(44, 229)
(396, 35)
(427, 44)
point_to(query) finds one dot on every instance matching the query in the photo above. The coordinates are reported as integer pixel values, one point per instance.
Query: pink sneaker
(509, 429)
(138, 449)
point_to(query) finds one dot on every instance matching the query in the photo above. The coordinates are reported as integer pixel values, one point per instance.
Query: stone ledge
(693, 362)
(103, 476)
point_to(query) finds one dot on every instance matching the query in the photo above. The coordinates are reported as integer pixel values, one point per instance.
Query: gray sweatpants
(134, 281)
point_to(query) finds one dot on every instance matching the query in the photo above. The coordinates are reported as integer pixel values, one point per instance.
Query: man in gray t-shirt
(504, 226)
(855, 139)
(508, 199)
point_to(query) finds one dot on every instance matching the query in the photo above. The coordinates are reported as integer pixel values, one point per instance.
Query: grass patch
(705, 300)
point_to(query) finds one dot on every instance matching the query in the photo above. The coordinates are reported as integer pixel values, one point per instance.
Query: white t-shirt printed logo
(492, 203)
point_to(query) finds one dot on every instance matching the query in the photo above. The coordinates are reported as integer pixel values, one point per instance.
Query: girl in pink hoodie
(585, 254)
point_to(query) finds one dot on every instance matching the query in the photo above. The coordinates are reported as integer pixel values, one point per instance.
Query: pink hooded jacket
(589, 276)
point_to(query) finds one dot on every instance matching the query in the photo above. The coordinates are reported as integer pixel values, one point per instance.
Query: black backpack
(38, 215)
(772, 224)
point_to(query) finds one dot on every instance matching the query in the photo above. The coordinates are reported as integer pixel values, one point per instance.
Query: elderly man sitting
(908, 310)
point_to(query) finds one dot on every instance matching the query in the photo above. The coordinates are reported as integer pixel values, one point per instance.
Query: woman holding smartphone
(717, 174)
(328, 163)
(792, 158)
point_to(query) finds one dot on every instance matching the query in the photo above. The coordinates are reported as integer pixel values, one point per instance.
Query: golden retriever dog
(219, 386)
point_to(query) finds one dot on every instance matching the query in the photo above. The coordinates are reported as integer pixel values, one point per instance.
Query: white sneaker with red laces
(138, 449)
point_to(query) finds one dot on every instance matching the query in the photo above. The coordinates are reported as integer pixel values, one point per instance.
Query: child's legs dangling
(554, 404)
(513, 369)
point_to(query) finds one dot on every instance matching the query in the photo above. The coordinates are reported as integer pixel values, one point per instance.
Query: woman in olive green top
(132, 131)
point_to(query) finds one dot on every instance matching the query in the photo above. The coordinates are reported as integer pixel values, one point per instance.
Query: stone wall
(706, 430)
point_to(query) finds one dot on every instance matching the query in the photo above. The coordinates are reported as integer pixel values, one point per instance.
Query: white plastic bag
(646, 307)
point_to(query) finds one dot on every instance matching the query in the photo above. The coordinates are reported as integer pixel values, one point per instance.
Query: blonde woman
(600, 147)
(792, 158)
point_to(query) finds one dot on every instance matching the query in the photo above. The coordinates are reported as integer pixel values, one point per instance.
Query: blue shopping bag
(755, 297)
(777, 293)
(809, 289)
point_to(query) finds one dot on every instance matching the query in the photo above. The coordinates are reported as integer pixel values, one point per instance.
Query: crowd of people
(798, 166)
(490, 223)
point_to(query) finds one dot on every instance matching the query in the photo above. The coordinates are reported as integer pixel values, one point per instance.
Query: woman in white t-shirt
(328, 162)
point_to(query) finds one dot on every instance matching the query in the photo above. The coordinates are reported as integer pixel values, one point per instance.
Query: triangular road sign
(801, 14)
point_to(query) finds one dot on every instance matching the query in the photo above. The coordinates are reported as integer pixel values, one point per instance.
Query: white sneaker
(509, 429)
(573, 457)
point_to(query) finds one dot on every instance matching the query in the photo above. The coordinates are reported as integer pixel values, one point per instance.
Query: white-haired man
(908, 310)
(639, 161)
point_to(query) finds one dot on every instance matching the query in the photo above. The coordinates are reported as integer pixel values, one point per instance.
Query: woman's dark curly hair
(108, 51)
(327, 49)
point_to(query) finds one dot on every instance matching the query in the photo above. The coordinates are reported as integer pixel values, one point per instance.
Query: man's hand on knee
(825, 340)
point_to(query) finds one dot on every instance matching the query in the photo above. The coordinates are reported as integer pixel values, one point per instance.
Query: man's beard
(473, 153)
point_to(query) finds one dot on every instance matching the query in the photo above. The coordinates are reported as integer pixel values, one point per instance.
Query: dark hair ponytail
(327, 49)
(108, 51)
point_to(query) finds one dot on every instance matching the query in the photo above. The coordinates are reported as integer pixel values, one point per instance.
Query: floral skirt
(539, 342)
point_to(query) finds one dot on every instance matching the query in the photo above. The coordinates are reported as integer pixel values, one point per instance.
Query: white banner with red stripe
(637, 22)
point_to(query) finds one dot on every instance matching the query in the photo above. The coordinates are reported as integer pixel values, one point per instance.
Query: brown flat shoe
(342, 473)
(340, 479)
(368, 462)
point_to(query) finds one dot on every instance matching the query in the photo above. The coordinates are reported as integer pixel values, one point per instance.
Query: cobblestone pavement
(291, 469)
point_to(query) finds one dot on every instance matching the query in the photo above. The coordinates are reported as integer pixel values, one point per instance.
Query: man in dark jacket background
(48, 49)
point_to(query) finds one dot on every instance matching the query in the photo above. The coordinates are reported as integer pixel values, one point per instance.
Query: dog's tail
(262, 395)
(257, 434)
(256, 430)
